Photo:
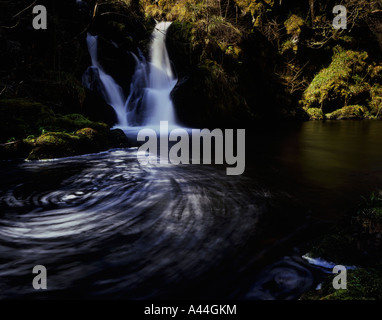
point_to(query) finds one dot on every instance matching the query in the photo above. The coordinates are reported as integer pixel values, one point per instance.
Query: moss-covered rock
(55, 145)
(346, 89)
(118, 139)
(362, 284)
(20, 118)
(315, 113)
(31, 130)
(347, 112)
(330, 87)
(83, 141)
(75, 121)
(376, 100)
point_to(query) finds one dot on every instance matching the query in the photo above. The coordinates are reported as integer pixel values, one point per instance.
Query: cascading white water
(149, 99)
(112, 92)
(161, 79)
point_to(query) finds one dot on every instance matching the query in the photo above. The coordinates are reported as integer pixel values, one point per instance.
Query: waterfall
(149, 100)
(161, 79)
(111, 91)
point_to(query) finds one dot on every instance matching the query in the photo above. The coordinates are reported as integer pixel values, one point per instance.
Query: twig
(12, 27)
(2, 91)
(17, 14)
(34, 2)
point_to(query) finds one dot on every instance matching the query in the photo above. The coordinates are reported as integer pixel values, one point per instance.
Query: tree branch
(17, 14)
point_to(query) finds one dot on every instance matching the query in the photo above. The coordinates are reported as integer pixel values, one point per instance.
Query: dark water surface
(327, 165)
(106, 226)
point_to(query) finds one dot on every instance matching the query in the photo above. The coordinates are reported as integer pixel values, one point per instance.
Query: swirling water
(105, 226)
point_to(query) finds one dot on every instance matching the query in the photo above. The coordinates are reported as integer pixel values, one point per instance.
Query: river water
(327, 165)
(107, 227)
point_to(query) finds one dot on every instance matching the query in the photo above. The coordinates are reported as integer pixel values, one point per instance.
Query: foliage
(346, 81)
(362, 284)
(211, 22)
(370, 213)
(287, 45)
(22, 117)
(256, 8)
(243, 53)
(347, 112)
(376, 99)
(293, 25)
(315, 113)
(354, 241)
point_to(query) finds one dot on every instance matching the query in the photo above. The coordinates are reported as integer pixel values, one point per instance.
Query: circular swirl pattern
(104, 225)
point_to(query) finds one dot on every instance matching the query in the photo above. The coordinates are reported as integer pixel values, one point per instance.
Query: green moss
(255, 8)
(293, 25)
(335, 85)
(376, 100)
(362, 284)
(348, 112)
(376, 72)
(286, 46)
(54, 145)
(20, 118)
(35, 132)
(86, 140)
(30, 139)
(55, 138)
(315, 113)
(347, 88)
(73, 122)
(61, 144)
(86, 133)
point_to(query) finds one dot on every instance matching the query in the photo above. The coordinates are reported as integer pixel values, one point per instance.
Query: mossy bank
(356, 241)
(33, 131)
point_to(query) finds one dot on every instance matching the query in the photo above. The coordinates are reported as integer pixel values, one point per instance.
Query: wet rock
(119, 140)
